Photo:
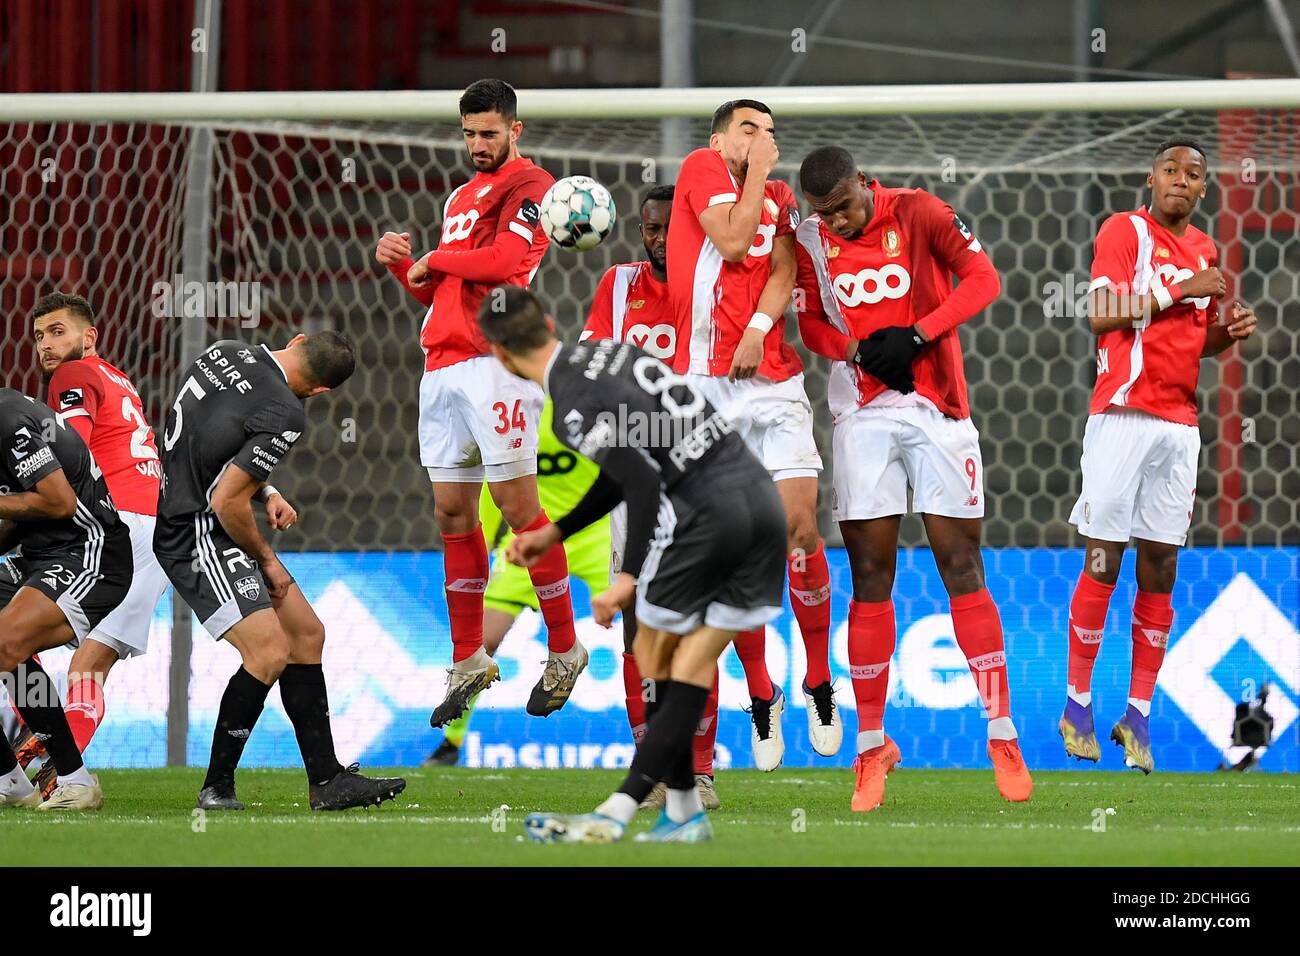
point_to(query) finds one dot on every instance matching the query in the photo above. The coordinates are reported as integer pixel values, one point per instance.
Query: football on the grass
(577, 212)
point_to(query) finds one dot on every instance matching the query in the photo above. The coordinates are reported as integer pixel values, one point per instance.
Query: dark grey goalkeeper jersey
(648, 429)
(234, 407)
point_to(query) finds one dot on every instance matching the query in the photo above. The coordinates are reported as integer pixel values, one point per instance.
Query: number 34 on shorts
(476, 413)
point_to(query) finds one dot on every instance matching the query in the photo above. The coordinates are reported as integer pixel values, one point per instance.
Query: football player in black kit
(705, 553)
(238, 412)
(71, 564)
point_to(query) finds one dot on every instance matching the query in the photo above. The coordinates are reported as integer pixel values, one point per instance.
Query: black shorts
(217, 579)
(718, 558)
(86, 583)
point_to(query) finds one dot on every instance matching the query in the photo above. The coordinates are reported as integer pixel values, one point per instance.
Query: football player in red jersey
(875, 295)
(1153, 304)
(632, 303)
(477, 422)
(731, 269)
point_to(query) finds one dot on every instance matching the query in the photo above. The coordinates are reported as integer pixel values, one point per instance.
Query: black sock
(652, 692)
(8, 759)
(302, 689)
(41, 710)
(667, 738)
(241, 705)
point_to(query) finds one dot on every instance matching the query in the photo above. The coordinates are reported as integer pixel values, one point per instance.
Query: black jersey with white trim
(35, 443)
(234, 406)
(647, 427)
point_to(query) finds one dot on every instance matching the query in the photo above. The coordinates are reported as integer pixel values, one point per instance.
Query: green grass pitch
(791, 817)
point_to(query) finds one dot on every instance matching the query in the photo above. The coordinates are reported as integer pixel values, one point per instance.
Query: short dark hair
(490, 96)
(722, 115)
(330, 356)
(1181, 141)
(513, 318)
(825, 168)
(659, 194)
(57, 301)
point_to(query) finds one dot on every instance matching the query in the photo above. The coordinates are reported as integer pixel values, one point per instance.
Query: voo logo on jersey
(870, 286)
(458, 227)
(659, 340)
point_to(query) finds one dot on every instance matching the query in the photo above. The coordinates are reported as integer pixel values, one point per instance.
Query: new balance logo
(813, 598)
(1086, 636)
(467, 585)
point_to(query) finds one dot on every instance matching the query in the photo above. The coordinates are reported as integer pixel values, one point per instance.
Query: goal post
(99, 198)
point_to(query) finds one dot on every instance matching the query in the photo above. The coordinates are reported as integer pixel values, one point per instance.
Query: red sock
(810, 597)
(1153, 616)
(550, 578)
(978, 630)
(1087, 621)
(751, 648)
(84, 710)
(706, 733)
(465, 564)
(871, 644)
(635, 703)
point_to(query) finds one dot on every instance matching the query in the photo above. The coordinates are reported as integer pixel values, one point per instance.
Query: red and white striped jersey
(1154, 365)
(631, 305)
(716, 299)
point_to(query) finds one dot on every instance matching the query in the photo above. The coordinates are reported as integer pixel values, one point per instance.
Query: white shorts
(1139, 478)
(774, 418)
(126, 628)
(617, 539)
(882, 452)
(478, 421)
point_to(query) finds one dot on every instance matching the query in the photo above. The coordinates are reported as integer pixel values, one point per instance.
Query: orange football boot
(1009, 770)
(871, 768)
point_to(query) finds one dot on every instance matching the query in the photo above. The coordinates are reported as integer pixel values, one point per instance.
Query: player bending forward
(476, 422)
(876, 297)
(238, 412)
(99, 402)
(71, 568)
(731, 267)
(634, 304)
(704, 555)
(1153, 303)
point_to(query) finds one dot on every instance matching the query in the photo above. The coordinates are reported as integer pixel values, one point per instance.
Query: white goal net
(102, 208)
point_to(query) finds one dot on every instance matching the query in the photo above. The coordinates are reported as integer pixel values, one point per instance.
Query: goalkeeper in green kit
(563, 477)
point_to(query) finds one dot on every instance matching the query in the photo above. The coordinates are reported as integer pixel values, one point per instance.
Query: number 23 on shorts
(508, 418)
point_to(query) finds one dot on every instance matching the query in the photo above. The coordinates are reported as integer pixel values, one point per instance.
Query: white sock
(1143, 706)
(683, 804)
(1081, 697)
(80, 776)
(870, 740)
(15, 781)
(620, 807)
(475, 662)
(1001, 728)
